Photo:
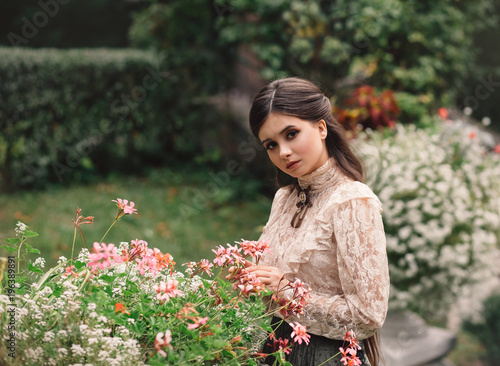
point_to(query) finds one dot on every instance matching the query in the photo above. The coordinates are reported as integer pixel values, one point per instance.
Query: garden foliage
(68, 115)
(129, 305)
(65, 23)
(365, 109)
(487, 329)
(422, 48)
(441, 193)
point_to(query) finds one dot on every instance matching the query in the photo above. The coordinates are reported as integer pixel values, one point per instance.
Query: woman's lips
(292, 165)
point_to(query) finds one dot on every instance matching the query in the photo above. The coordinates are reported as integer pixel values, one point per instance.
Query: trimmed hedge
(69, 115)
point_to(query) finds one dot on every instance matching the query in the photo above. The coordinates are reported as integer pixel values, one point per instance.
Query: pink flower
(301, 294)
(255, 249)
(299, 333)
(124, 208)
(163, 340)
(197, 323)
(280, 344)
(129, 209)
(69, 271)
(247, 283)
(350, 336)
(205, 265)
(103, 256)
(227, 255)
(295, 306)
(167, 290)
(349, 357)
(497, 149)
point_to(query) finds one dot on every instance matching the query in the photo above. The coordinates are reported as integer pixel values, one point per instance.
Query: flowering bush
(127, 305)
(364, 109)
(441, 193)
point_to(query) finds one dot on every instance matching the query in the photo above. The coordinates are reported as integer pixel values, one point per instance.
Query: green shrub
(487, 330)
(70, 115)
(422, 48)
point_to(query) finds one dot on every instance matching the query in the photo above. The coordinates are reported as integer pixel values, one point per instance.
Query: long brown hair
(302, 99)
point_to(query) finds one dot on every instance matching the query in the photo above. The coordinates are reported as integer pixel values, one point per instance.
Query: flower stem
(19, 255)
(107, 231)
(329, 359)
(73, 248)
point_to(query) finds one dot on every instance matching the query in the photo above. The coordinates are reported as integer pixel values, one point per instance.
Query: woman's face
(295, 146)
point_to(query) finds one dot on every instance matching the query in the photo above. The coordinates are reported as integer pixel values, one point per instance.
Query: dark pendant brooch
(302, 206)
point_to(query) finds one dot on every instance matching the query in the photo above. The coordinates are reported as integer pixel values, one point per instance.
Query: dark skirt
(315, 353)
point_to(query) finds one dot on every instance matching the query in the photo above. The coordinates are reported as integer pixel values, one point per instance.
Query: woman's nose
(285, 151)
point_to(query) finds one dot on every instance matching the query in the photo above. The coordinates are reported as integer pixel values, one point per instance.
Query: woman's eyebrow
(281, 132)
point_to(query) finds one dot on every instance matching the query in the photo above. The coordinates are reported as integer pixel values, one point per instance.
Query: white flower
(62, 333)
(102, 319)
(20, 228)
(93, 315)
(39, 262)
(48, 337)
(83, 327)
(440, 193)
(103, 354)
(77, 350)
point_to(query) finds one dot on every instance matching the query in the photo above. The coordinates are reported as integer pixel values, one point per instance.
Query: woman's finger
(248, 263)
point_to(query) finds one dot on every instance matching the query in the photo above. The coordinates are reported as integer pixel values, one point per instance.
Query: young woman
(326, 229)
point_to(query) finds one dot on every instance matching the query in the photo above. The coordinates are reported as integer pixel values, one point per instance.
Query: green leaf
(78, 264)
(12, 241)
(107, 278)
(21, 280)
(30, 249)
(229, 353)
(32, 268)
(8, 248)
(29, 234)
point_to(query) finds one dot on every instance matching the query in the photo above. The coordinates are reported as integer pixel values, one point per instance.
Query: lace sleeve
(363, 271)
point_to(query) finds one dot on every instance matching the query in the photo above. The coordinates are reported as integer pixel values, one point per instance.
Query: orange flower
(443, 113)
(120, 307)
(164, 261)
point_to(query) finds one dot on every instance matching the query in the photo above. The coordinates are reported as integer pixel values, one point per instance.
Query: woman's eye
(291, 134)
(270, 145)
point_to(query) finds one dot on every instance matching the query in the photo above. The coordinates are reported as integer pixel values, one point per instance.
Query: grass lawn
(183, 219)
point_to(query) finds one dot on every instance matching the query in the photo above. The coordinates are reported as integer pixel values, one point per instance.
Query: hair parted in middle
(303, 99)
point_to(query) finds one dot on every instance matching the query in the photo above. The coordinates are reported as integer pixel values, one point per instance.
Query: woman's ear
(323, 131)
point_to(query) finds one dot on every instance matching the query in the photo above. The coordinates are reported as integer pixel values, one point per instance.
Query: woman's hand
(271, 277)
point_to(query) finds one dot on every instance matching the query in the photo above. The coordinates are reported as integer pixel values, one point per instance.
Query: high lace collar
(327, 175)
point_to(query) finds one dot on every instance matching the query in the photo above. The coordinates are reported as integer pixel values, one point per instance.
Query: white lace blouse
(339, 251)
